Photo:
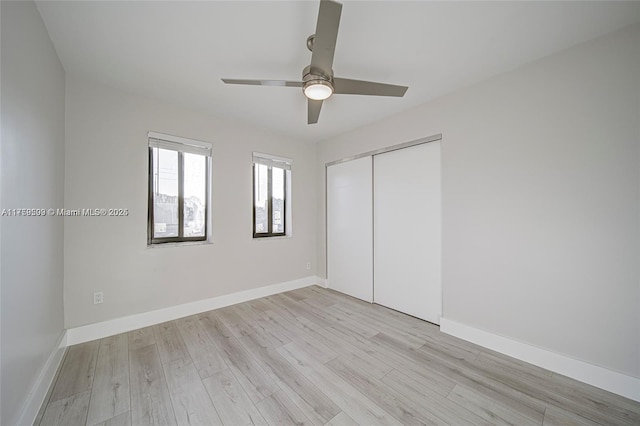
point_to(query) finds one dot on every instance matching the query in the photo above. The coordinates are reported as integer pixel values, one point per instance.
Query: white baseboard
(99, 330)
(601, 377)
(38, 392)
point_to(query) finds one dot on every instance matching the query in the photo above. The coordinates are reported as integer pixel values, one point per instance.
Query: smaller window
(271, 180)
(179, 175)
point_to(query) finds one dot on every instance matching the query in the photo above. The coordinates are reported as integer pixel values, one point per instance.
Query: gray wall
(107, 166)
(541, 199)
(33, 86)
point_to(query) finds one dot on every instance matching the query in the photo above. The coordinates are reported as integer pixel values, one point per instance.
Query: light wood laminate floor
(312, 356)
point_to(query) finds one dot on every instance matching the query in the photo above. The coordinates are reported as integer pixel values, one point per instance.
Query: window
(271, 177)
(179, 175)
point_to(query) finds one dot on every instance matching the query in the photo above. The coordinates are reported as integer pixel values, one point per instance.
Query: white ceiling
(178, 51)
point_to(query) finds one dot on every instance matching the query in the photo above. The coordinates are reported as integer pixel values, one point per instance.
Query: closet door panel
(350, 228)
(407, 231)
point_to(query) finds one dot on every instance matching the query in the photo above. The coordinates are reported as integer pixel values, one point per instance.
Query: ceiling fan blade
(345, 86)
(282, 83)
(324, 44)
(313, 111)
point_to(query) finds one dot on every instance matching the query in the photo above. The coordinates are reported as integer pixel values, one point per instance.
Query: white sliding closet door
(349, 228)
(407, 231)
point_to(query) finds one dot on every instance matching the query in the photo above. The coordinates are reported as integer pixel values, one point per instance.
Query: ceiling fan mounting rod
(310, 41)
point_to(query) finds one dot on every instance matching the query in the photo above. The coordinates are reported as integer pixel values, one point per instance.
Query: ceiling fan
(318, 82)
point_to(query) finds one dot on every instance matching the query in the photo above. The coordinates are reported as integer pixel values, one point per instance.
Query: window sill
(283, 237)
(182, 244)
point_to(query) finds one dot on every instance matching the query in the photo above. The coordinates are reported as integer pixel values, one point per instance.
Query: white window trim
(179, 139)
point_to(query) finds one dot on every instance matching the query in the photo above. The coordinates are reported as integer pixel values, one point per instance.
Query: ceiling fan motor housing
(308, 74)
(316, 85)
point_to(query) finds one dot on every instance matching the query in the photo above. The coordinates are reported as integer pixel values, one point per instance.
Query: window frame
(177, 141)
(285, 165)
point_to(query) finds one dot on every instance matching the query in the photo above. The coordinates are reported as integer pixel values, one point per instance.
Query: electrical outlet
(97, 298)
(308, 266)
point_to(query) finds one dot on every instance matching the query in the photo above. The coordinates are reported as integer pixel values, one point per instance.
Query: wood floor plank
(489, 356)
(384, 397)
(295, 295)
(334, 316)
(253, 379)
(278, 410)
(438, 382)
(123, 419)
(254, 319)
(234, 322)
(169, 342)
(342, 419)
(313, 346)
(316, 298)
(525, 403)
(277, 308)
(213, 326)
(550, 393)
(386, 318)
(378, 325)
(348, 398)
(555, 416)
(190, 400)
(141, 338)
(275, 315)
(449, 350)
(439, 405)
(314, 403)
(296, 310)
(231, 401)
(391, 324)
(67, 411)
(110, 392)
(259, 305)
(399, 322)
(374, 366)
(271, 338)
(150, 400)
(406, 319)
(191, 403)
(597, 395)
(200, 347)
(77, 372)
(490, 410)
(391, 317)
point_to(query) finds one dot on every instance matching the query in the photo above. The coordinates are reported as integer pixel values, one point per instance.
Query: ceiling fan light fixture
(318, 90)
